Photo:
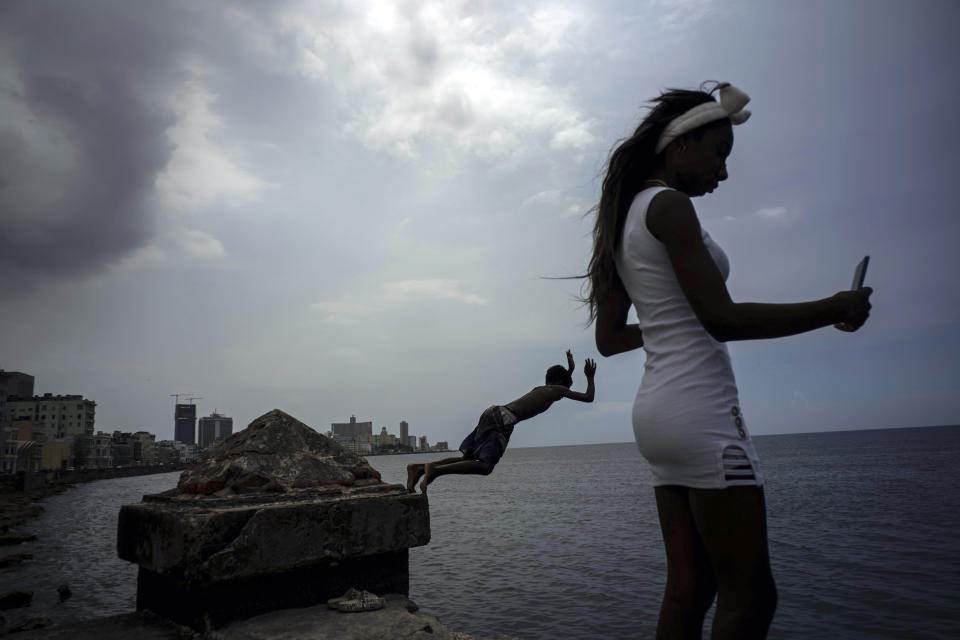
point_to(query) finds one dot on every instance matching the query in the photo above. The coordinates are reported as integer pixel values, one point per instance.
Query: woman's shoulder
(671, 212)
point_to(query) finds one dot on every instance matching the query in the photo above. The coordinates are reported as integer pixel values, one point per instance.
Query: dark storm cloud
(73, 75)
(118, 146)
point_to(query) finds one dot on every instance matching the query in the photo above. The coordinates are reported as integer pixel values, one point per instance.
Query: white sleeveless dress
(686, 415)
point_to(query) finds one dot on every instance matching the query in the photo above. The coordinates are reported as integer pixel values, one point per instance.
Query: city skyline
(16, 378)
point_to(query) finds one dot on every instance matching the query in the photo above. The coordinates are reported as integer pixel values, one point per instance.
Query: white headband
(731, 105)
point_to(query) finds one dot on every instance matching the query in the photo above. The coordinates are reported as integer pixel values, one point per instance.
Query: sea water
(563, 542)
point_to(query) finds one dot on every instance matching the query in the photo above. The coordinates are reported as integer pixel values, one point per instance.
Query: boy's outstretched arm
(589, 369)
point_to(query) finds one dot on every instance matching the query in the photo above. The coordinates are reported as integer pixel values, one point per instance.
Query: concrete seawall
(400, 619)
(30, 480)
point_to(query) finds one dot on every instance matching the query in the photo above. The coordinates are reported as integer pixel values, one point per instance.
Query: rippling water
(563, 542)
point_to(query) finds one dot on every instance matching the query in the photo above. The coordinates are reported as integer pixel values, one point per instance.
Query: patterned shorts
(489, 440)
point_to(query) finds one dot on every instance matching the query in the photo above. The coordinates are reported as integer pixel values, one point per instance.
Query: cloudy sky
(341, 208)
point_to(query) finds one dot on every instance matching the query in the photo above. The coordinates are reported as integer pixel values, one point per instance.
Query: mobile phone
(860, 273)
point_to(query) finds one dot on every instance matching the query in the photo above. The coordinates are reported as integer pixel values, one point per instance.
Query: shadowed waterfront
(563, 541)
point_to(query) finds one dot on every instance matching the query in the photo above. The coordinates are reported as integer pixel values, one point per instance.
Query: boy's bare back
(539, 399)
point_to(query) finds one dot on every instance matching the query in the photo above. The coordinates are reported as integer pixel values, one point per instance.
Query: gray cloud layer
(339, 207)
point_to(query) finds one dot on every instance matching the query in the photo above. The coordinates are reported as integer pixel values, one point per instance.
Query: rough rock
(279, 516)
(18, 507)
(15, 559)
(142, 625)
(30, 624)
(394, 622)
(16, 537)
(15, 599)
(213, 539)
(276, 453)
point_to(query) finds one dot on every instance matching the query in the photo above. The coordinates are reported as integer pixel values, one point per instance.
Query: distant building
(12, 383)
(424, 445)
(358, 447)
(33, 420)
(443, 445)
(128, 448)
(102, 451)
(384, 439)
(58, 416)
(341, 439)
(352, 429)
(185, 423)
(122, 453)
(144, 448)
(81, 454)
(56, 454)
(171, 451)
(22, 447)
(404, 431)
(188, 452)
(412, 442)
(167, 452)
(213, 428)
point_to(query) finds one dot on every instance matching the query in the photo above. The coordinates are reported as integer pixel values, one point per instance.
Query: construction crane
(177, 396)
(190, 399)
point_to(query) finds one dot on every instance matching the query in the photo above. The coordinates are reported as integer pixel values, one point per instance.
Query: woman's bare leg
(732, 524)
(460, 466)
(690, 583)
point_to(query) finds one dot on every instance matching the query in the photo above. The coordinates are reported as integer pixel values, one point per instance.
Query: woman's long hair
(631, 162)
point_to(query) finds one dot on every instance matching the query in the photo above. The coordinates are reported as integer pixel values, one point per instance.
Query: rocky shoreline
(399, 619)
(21, 502)
(16, 509)
(19, 507)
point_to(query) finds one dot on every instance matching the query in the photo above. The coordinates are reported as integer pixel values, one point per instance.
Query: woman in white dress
(649, 251)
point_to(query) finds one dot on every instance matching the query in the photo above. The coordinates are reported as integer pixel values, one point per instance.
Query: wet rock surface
(17, 507)
(30, 624)
(16, 537)
(14, 559)
(276, 452)
(15, 599)
(142, 625)
(398, 620)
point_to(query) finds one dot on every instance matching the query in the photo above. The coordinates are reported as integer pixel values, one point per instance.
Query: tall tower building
(185, 423)
(12, 383)
(214, 427)
(404, 431)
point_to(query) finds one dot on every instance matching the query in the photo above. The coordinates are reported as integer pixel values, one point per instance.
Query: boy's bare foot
(429, 474)
(414, 471)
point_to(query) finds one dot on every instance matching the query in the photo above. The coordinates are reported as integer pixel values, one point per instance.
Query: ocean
(564, 543)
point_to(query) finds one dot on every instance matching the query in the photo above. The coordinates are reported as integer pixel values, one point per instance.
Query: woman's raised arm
(672, 220)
